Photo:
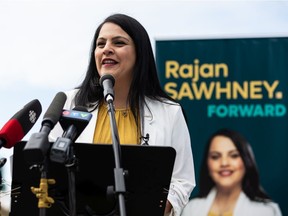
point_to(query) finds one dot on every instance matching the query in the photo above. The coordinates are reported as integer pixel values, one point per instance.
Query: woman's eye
(120, 43)
(235, 155)
(214, 157)
(100, 44)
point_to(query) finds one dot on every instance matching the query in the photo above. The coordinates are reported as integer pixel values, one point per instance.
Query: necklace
(124, 113)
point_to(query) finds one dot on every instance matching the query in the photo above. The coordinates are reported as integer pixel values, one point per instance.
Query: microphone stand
(62, 151)
(41, 193)
(118, 170)
(71, 166)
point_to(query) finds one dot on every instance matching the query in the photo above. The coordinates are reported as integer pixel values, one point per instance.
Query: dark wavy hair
(145, 80)
(250, 183)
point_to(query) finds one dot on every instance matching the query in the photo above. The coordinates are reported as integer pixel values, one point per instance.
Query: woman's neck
(120, 104)
(225, 200)
(223, 193)
(121, 97)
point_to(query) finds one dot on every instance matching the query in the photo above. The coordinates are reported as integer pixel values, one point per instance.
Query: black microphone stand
(118, 170)
(71, 166)
(65, 155)
(39, 161)
(41, 193)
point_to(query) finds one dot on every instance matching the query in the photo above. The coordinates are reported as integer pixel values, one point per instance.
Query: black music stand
(150, 170)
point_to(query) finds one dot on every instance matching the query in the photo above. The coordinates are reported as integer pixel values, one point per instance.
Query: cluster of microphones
(36, 149)
(73, 122)
(39, 149)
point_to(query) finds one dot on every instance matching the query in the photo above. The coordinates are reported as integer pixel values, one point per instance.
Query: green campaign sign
(233, 83)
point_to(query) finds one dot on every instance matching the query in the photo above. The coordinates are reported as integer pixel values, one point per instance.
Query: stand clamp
(42, 193)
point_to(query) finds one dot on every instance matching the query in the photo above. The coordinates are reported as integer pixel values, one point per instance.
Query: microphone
(73, 123)
(107, 82)
(37, 146)
(20, 124)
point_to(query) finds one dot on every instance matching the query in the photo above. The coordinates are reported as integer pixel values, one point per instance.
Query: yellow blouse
(127, 129)
(210, 213)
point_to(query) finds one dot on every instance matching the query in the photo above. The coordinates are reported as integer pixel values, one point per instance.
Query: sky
(44, 45)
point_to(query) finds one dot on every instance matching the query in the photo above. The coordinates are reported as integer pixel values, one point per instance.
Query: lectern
(149, 170)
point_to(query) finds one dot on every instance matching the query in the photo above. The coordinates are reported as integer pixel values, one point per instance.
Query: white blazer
(244, 206)
(166, 126)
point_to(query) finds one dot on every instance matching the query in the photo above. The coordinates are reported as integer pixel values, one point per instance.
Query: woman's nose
(108, 50)
(224, 161)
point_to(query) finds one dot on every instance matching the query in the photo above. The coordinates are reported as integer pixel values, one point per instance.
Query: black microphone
(107, 82)
(73, 123)
(20, 124)
(37, 146)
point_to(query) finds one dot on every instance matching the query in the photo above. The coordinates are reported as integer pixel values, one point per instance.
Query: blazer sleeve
(183, 178)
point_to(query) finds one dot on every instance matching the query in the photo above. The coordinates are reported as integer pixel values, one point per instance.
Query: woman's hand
(168, 208)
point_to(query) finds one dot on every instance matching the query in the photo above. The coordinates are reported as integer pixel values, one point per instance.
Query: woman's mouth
(109, 62)
(225, 173)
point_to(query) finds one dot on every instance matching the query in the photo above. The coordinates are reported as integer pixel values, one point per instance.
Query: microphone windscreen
(11, 133)
(28, 116)
(107, 82)
(79, 117)
(20, 124)
(105, 77)
(54, 111)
